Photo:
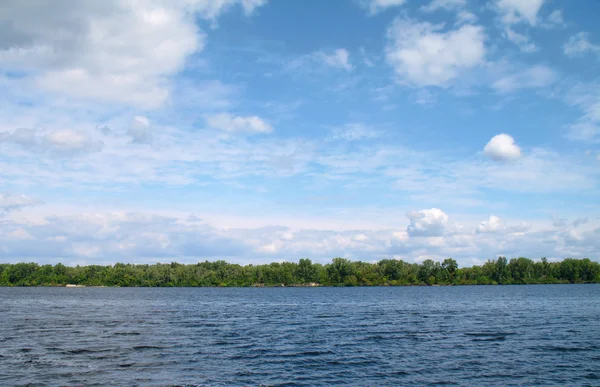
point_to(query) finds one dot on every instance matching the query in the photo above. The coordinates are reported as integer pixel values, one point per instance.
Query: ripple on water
(466, 336)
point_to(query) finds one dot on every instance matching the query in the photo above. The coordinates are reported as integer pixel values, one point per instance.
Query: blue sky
(259, 131)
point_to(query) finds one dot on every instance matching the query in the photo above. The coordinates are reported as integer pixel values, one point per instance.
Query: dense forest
(340, 272)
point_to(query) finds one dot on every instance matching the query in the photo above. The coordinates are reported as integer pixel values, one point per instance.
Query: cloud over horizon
(210, 129)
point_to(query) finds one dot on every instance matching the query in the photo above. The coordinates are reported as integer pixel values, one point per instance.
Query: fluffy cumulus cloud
(238, 124)
(115, 51)
(117, 236)
(493, 224)
(423, 54)
(429, 223)
(502, 147)
(156, 128)
(109, 237)
(579, 45)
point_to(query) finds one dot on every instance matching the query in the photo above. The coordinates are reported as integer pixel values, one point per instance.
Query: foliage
(340, 272)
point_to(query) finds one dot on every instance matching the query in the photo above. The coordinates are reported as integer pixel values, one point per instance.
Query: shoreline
(287, 286)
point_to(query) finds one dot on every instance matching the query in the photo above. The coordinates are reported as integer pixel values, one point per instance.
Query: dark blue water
(474, 336)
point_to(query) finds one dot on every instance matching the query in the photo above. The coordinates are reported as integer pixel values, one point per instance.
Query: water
(473, 335)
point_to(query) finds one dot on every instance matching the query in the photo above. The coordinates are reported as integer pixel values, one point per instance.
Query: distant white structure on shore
(74, 286)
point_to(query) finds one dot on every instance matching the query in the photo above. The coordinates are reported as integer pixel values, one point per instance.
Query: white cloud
(354, 132)
(502, 147)
(431, 222)
(141, 237)
(338, 58)
(71, 141)
(530, 173)
(20, 234)
(444, 4)
(464, 16)
(537, 76)
(422, 55)
(140, 130)
(376, 6)
(211, 9)
(578, 45)
(493, 224)
(287, 236)
(580, 221)
(458, 6)
(12, 202)
(515, 11)
(555, 19)
(238, 124)
(114, 51)
(584, 131)
(559, 222)
(522, 41)
(587, 98)
(60, 141)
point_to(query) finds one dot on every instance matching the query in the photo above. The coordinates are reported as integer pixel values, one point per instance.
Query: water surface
(470, 336)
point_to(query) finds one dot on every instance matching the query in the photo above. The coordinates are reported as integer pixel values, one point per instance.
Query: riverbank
(305, 273)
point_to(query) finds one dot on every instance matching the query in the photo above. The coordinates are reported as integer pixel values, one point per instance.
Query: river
(468, 335)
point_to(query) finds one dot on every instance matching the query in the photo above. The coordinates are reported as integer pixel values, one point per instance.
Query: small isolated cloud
(339, 58)
(376, 6)
(140, 130)
(12, 202)
(493, 224)
(502, 147)
(422, 55)
(534, 77)
(430, 223)
(517, 11)
(579, 45)
(232, 124)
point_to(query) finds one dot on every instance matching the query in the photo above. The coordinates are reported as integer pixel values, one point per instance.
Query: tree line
(340, 272)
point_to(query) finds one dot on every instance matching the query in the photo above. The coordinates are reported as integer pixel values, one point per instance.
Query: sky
(259, 131)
